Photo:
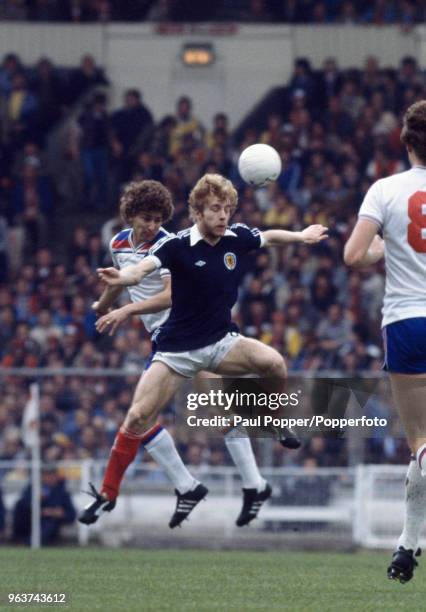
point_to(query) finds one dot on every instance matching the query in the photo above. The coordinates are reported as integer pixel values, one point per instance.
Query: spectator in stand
(186, 125)
(131, 126)
(50, 91)
(90, 141)
(219, 135)
(33, 188)
(7, 327)
(96, 252)
(44, 329)
(333, 332)
(336, 120)
(22, 112)
(282, 214)
(330, 79)
(31, 154)
(86, 76)
(303, 80)
(56, 510)
(10, 66)
(32, 204)
(79, 245)
(382, 165)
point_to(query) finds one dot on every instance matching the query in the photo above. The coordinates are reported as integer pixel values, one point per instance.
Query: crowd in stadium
(337, 132)
(403, 12)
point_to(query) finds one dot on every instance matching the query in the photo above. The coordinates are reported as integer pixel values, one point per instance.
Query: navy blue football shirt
(205, 281)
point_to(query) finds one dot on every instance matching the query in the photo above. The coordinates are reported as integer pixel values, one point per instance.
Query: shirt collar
(136, 247)
(195, 235)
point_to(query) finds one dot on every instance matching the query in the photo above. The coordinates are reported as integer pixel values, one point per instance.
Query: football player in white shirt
(145, 206)
(396, 206)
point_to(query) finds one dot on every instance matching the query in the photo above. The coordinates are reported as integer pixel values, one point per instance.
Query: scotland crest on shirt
(230, 260)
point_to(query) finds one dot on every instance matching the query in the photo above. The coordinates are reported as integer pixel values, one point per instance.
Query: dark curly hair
(414, 129)
(146, 197)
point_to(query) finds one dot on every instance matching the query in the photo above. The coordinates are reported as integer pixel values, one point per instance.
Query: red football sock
(123, 452)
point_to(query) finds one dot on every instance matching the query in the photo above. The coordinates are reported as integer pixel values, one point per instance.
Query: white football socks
(415, 506)
(241, 451)
(162, 448)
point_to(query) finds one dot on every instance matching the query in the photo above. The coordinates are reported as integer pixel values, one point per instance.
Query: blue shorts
(405, 346)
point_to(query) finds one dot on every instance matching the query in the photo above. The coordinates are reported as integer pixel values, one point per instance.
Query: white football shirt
(398, 205)
(124, 253)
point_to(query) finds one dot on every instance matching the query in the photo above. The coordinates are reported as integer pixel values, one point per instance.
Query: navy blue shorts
(405, 346)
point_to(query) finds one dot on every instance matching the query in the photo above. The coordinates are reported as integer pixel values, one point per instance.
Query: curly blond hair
(212, 186)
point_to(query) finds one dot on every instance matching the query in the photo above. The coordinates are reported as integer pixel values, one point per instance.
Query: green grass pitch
(140, 580)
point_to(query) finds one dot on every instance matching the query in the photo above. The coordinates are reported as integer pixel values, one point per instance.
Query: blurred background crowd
(337, 132)
(403, 12)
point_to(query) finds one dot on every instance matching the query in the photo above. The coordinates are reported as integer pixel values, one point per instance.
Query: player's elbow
(267, 238)
(352, 257)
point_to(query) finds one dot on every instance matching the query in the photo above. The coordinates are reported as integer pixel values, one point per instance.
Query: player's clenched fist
(314, 233)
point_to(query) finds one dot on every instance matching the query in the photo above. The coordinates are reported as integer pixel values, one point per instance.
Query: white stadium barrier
(360, 506)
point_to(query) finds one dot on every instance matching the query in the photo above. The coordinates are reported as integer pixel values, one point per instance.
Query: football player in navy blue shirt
(205, 262)
(145, 205)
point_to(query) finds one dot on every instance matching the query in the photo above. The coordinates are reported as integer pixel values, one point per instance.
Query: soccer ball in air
(259, 165)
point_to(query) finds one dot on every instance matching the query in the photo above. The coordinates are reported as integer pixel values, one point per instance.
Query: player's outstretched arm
(116, 317)
(130, 275)
(364, 246)
(108, 297)
(310, 235)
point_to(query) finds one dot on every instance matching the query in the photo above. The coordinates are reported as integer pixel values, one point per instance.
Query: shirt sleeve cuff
(262, 239)
(370, 218)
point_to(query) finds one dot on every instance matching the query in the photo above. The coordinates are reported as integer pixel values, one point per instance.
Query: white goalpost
(31, 438)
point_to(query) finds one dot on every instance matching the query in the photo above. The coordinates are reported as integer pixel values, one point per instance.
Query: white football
(259, 165)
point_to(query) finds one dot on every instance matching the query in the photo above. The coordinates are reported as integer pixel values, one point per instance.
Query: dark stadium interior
(404, 12)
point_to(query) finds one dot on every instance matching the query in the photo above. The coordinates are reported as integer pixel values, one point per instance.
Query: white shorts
(208, 357)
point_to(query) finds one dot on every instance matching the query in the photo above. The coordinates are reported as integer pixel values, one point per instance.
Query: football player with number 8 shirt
(396, 206)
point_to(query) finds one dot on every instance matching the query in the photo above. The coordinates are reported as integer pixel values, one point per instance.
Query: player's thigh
(155, 389)
(249, 356)
(409, 391)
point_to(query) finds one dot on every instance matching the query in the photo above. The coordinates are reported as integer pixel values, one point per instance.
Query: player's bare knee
(278, 367)
(273, 366)
(138, 420)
